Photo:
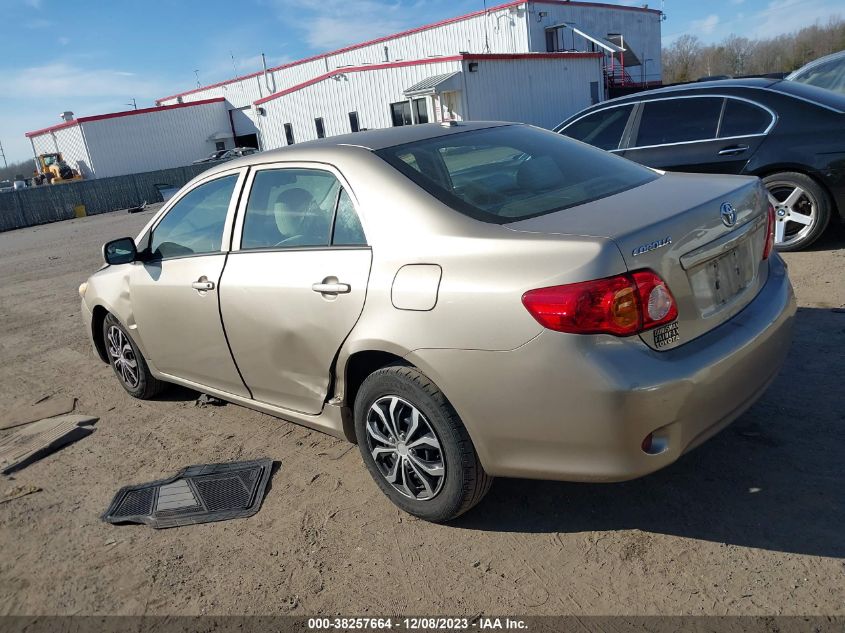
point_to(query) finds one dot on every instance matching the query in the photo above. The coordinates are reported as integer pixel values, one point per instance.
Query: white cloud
(737, 1)
(67, 81)
(64, 41)
(335, 23)
(706, 25)
(34, 4)
(785, 16)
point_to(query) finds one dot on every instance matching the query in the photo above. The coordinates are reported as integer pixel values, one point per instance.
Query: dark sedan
(789, 134)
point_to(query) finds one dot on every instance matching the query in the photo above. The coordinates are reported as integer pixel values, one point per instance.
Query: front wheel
(415, 445)
(802, 209)
(127, 361)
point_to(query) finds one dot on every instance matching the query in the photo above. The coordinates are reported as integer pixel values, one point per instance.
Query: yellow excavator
(53, 169)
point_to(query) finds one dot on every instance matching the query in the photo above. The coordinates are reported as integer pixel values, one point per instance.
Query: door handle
(733, 150)
(334, 289)
(203, 284)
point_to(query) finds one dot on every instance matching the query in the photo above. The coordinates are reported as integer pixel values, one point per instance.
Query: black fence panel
(50, 203)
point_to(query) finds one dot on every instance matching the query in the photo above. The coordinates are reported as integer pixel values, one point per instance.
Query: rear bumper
(578, 407)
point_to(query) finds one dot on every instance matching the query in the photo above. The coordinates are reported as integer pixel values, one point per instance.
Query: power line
(3, 154)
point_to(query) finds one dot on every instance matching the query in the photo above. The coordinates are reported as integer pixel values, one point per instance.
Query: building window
(220, 145)
(401, 112)
(321, 129)
(354, 125)
(289, 133)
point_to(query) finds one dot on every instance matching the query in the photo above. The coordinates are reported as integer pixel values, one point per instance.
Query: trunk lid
(673, 226)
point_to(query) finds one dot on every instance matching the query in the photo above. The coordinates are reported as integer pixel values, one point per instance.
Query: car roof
(816, 62)
(812, 94)
(719, 84)
(371, 140)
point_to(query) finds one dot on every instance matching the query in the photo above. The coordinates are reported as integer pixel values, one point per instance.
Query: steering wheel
(288, 239)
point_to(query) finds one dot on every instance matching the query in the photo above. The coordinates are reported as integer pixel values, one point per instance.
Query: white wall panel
(70, 142)
(641, 29)
(497, 32)
(45, 143)
(538, 91)
(369, 93)
(541, 92)
(155, 140)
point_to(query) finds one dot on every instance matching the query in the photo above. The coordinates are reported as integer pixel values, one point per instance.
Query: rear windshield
(514, 172)
(825, 97)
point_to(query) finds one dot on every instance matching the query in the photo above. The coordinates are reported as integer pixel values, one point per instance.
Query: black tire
(778, 184)
(146, 386)
(464, 483)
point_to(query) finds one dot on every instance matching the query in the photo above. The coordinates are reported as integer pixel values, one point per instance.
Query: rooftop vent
(67, 115)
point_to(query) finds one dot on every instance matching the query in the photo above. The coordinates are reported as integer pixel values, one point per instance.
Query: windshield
(513, 172)
(828, 74)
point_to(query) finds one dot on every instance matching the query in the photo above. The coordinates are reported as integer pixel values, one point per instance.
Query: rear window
(741, 118)
(511, 173)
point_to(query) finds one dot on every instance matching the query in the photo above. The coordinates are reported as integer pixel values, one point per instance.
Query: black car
(789, 134)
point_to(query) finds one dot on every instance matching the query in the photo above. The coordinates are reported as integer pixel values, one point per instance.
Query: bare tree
(687, 59)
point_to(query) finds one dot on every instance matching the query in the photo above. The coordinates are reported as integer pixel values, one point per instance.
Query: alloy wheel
(795, 212)
(123, 357)
(405, 448)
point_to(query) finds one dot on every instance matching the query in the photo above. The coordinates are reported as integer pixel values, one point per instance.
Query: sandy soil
(750, 523)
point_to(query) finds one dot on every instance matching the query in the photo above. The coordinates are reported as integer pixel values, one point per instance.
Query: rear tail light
(622, 305)
(770, 232)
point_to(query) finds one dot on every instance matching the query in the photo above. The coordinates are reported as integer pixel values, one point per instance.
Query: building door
(247, 140)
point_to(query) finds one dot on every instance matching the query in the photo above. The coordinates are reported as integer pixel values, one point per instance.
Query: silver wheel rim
(405, 448)
(123, 357)
(795, 212)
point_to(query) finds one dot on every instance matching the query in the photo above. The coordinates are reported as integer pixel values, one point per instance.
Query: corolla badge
(728, 214)
(652, 246)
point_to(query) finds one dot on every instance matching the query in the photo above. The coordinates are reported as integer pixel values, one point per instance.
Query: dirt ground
(750, 523)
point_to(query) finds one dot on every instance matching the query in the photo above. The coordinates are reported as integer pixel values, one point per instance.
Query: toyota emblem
(728, 214)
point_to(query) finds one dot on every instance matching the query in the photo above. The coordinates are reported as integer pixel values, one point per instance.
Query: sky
(93, 57)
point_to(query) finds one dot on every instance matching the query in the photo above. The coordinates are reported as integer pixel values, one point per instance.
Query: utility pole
(133, 104)
(3, 154)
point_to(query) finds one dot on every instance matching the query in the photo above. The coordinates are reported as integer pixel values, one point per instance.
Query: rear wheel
(802, 209)
(128, 363)
(415, 445)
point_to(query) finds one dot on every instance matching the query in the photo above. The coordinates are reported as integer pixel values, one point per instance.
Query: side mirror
(121, 251)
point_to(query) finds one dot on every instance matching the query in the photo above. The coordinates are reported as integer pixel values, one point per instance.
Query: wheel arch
(98, 317)
(358, 366)
(771, 170)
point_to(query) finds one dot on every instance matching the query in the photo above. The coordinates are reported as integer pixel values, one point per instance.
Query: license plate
(729, 275)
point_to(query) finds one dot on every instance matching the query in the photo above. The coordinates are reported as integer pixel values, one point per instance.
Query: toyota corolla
(464, 301)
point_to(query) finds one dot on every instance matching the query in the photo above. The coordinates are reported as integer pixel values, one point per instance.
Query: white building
(137, 141)
(536, 62)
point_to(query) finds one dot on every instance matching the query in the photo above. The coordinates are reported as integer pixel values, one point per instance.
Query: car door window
(679, 120)
(742, 118)
(195, 224)
(347, 226)
(290, 208)
(603, 129)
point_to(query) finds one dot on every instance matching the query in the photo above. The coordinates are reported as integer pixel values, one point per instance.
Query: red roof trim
(467, 16)
(428, 60)
(52, 128)
(563, 55)
(115, 115)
